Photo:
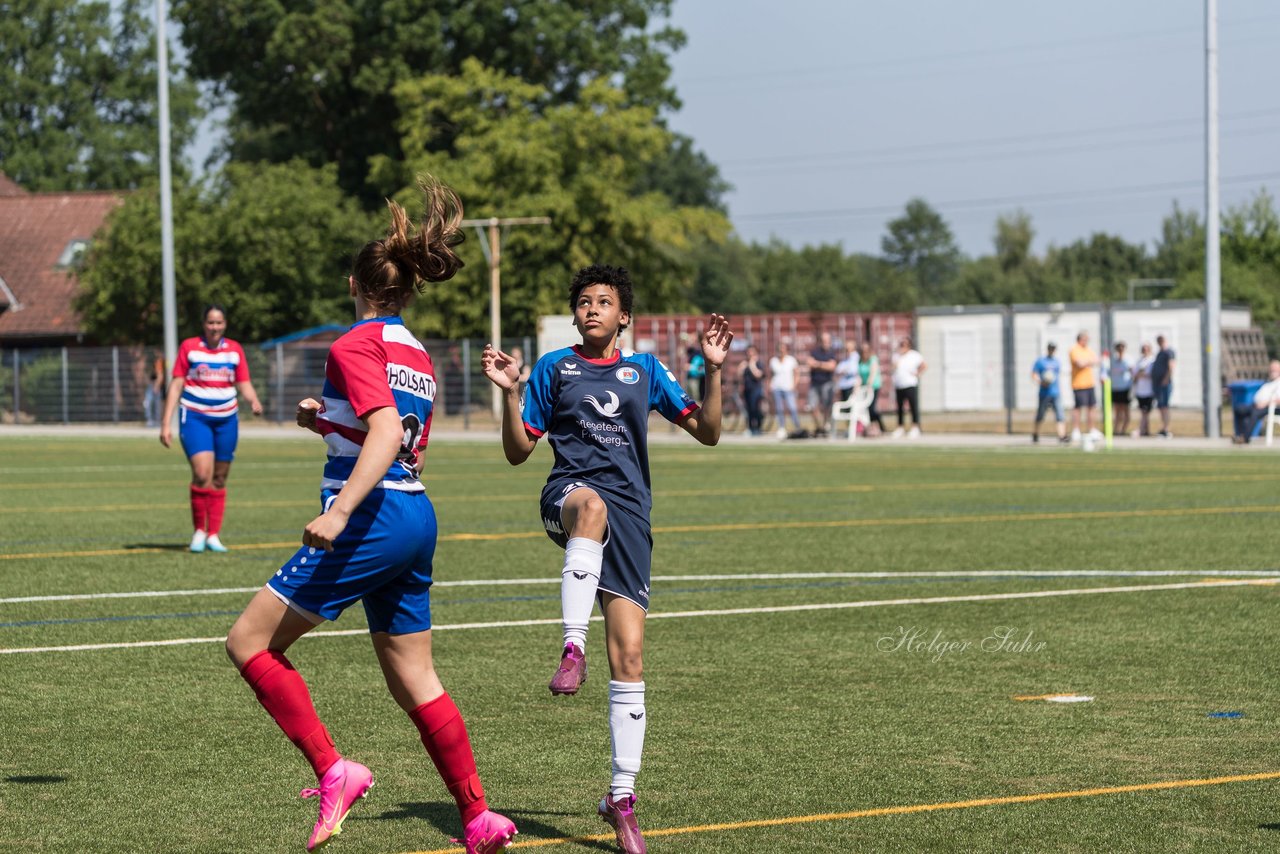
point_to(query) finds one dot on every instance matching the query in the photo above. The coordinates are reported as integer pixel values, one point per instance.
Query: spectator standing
(848, 376)
(1162, 381)
(696, 372)
(1044, 373)
(751, 375)
(869, 374)
(1083, 361)
(908, 365)
(1143, 390)
(822, 366)
(153, 399)
(1247, 417)
(782, 384)
(1121, 389)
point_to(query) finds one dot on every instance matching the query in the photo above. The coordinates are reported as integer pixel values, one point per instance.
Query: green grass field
(792, 729)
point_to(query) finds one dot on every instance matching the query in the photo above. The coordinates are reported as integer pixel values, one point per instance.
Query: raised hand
(716, 340)
(501, 369)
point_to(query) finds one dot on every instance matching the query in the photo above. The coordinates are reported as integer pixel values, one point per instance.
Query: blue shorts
(1047, 402)
(383, 557)
(628, 542)
(1162, 396)
(200, 433)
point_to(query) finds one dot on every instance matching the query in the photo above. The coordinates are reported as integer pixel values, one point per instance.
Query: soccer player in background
(375, 537)
(593, 404)
(207, 373)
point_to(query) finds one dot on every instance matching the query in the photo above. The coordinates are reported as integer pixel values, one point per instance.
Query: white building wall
(964, 355)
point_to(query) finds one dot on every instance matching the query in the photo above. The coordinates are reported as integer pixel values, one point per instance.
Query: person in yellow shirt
(1083, 361)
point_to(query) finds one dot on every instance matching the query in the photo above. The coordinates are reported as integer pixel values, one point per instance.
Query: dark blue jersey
(595, 413)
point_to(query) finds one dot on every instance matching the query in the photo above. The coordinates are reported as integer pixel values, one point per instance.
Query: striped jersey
(595, 414)
(210, 375)
(376, 363)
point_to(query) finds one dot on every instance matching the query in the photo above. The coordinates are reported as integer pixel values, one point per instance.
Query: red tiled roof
(35, 229)
(10, 187)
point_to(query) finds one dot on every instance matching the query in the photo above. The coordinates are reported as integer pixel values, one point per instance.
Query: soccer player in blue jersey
(375, 537)
(593, 404)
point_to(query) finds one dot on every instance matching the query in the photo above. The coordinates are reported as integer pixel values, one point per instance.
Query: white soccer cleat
(914, 434)
(898, 434)
(198, 541)
(214, 544)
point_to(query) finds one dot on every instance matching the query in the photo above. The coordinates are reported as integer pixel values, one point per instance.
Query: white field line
(754, 576)
(779, 609)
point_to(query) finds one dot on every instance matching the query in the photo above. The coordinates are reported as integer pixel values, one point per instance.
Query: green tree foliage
(273, 243)
(576, 163)
(316, 79)
(79, 104)
(920, 244)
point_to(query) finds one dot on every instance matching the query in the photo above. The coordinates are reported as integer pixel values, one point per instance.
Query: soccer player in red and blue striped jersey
(208, 372)
(374, 540)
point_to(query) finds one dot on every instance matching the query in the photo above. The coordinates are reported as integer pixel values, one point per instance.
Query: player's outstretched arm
(503, 371)
(704, 425)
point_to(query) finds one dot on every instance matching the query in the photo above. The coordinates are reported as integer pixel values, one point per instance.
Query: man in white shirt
(1267, 394)
(908, 365)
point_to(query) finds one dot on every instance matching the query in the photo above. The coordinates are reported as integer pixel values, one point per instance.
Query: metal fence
(67, 385)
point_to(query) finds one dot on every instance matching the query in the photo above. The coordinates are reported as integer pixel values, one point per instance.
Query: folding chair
(856, 410)
(1272, 418)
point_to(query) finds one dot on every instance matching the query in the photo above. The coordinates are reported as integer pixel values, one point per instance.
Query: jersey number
(412, 433)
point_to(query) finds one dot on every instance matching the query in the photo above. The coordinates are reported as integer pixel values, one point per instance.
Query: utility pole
(493, 254)
(1212, 249)
(167, 290)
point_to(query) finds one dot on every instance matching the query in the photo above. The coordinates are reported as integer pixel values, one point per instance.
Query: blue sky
(827, 116)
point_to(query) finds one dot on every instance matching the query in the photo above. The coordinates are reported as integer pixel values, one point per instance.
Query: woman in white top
(847, 375)
(782, 382)
(908, 365)
(1144, 390)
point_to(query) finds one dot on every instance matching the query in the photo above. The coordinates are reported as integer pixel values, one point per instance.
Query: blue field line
(471, 600)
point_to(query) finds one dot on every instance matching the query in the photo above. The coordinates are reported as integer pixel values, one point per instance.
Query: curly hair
(388, 271)
(601, 274)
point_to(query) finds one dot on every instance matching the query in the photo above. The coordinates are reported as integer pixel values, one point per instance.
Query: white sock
(578, 582)
(626, 727)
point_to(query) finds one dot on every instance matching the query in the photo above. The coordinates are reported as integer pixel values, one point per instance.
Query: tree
(686, 176)
(315, 80)
(79, 110)
(1013, 240)
(273, 243)
(920, 243)
(1097, 269)
(576, 163)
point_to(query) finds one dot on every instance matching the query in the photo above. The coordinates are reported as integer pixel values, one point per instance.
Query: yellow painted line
(753, 526)
(698, 493)
(899, 810)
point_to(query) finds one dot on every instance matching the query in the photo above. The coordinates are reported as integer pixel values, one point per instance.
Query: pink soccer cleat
(620, 813)
(487, 833)
(343, 784)
(572, 672)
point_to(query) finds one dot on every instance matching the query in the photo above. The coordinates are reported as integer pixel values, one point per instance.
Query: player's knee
(219, 481)
(593, 514)
(630, 664)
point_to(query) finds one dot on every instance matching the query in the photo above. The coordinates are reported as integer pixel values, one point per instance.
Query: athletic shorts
(1047, 402)
(1144, 403)
(820, 395)
(628, 542)
(1085, 398)
(200, 433)
(1162, 395)
(383, 557)
(1121, 397)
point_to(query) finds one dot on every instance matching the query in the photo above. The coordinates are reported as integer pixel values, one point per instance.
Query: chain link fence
(125, 385)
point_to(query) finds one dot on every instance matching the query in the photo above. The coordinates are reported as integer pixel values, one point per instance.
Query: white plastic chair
(1272, 418)
(856, 410)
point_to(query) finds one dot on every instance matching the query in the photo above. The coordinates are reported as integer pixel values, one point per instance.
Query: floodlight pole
(493, 254)
(166, 194)
(1212, 226)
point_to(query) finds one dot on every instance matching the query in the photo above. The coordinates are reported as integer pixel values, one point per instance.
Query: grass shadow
(38, 779)
(167, 547)
(444, 818)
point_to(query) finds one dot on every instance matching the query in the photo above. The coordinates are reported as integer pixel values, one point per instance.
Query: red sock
(445, 737)
(199, 507)
(217, 505)
(284, 695)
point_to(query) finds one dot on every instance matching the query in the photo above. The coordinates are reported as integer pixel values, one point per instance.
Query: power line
(996, 202)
